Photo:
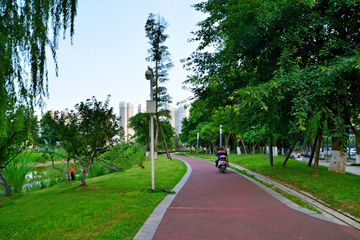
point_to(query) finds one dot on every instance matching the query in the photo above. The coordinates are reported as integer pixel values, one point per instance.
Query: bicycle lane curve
(214, 205)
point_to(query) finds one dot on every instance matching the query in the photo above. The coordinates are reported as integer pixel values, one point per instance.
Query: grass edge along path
(341, 191)
(113, 206)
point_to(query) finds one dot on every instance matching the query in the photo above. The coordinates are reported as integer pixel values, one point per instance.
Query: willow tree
(159, 53)
(27, 29)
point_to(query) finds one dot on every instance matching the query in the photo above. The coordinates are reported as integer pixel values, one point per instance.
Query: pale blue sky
(109, 51)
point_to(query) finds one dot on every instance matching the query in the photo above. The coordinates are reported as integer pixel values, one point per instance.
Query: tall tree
(159, 53)
(25, 28)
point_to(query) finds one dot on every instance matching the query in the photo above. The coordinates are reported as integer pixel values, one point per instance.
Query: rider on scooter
(220, 153)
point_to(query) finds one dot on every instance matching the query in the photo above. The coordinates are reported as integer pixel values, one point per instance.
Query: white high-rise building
(173, 116)
(181, 113)
(126, 111)
(141, 108)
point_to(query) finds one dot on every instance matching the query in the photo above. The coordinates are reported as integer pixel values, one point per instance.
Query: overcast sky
(109, 50)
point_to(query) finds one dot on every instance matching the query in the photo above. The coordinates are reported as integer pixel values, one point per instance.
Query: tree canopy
(280, 61)
(88, 132)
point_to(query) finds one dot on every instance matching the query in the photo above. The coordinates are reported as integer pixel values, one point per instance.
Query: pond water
(37, 173)
(42, 175)
(45, 172)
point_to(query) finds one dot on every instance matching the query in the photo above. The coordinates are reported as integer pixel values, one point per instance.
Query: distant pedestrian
(299, 158)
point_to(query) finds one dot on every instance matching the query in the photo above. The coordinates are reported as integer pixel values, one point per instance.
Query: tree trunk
(67, 170)
(313, 149)
(338, 162)
(316, 163)
(322, 144)
(237, 144)
(292, 147)
(227, 138)
(275, 149)
(242, 141)
(83, 176)
(303, 147)
(5, 184)
(114, 167)
(338, 159)
(236, 140)
(164, 141)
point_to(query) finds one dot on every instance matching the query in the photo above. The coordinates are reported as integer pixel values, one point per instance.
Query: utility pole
(151, 108)
(197, 148)
(220, 137)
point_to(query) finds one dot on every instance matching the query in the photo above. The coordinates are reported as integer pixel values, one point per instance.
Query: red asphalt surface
(215, 205)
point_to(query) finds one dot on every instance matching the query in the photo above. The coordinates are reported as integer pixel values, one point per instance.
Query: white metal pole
(197, 148)
(152, 139)
(220, 137)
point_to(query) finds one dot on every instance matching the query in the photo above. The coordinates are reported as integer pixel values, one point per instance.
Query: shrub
(16, 171)
(97, 170)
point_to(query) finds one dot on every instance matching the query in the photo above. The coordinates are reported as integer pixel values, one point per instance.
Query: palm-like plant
(16, 171)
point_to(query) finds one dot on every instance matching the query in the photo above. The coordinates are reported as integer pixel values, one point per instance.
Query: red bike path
(215, 205)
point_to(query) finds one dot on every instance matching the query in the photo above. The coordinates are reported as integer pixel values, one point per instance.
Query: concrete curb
(150, 226)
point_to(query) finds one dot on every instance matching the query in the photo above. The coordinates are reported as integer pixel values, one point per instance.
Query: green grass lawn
(342, 191)
(112, 206)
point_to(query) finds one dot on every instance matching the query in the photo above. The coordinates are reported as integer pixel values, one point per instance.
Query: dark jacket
(220, 153)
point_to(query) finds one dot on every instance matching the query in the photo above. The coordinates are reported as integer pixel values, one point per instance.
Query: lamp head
(149, 74)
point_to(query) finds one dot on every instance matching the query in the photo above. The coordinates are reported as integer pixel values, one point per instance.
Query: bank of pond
(30, 171)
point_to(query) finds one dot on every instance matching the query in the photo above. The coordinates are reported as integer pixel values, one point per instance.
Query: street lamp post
(151, 108)
(220, 137)
(197, 147)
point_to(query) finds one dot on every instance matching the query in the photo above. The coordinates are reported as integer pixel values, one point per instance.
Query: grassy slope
(111, 206)
(338, 190)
